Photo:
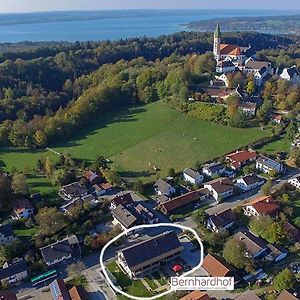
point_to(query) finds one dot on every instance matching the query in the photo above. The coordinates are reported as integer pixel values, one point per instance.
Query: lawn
(137, 139)
(26, 232)
(275, 147)
(41, 184)
(131, 287)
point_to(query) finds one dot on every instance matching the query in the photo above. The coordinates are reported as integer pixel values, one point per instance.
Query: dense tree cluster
(50, 90)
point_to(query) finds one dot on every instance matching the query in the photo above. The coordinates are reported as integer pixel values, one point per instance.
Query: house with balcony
(146, 257)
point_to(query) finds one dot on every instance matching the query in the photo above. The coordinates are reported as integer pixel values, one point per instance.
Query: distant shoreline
(288, 24)
(7, 19)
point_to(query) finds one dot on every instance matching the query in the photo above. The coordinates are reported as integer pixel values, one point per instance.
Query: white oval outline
(142, 227)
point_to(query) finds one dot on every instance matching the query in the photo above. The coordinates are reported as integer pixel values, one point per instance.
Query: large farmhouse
(147, 256)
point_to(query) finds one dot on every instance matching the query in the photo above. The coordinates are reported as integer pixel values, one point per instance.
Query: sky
(7, 6)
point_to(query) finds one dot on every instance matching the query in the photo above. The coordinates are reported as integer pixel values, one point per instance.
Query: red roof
(227, 49)
(196, 295)
(182, 200)
(240, 157)
(264, 205)
(216, 266)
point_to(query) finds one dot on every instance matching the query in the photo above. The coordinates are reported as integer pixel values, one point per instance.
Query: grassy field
(275, 147)
(137, 139)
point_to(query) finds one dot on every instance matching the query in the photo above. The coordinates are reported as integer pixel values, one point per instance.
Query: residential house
(179, 202)
(239, 159)
(123, 199)
(147, 256)
(14, 272)
(225, 66)
(162, 187)
(192, 176)
(73, 191)
(60, 251)
(277, 118)
(92, 177)
(276, 253)
(248, 108)
(100, 189)
(221, 221)
(6, 234)
(216, 266)
(22, 208)
(259, 70)
(213, 170)
(267, 165)
(291, 74)
(217, 93)
(220, 188)
(78, 293)
(196, 295)
(133, 215)
(262, 205)
(295, 182)
(288, 294)
(59, 290)
(248, 295)
(249, 182)
(292, 232)
(255, 246)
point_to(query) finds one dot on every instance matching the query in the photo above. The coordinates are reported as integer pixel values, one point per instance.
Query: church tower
(217, 42)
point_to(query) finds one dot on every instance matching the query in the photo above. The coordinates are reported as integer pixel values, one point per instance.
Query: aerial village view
(149, 150)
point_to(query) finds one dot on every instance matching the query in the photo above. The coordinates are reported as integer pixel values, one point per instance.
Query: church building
(227, 51)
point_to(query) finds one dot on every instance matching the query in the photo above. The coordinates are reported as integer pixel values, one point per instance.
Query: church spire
(218, 31)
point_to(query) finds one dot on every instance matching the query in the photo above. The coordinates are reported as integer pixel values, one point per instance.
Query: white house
(61, 250)
(266, 165)
(248, 108)
(223, 220)
(291, 74)
(192, 176)
(262, 205)
(14, 272)
(213, 170)
(249, 182)
(162, 187)
(295, 182)
(259, 70)
(220, 188)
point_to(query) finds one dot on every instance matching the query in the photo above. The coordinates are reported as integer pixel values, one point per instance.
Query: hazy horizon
(27, 6)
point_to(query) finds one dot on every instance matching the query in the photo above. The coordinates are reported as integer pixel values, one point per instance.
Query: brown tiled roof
(252, 243)
(257, 65)
(292, 231)
(196, 295)
(221, 185)
(123, 199)
(266, 208)
(217, 266)
(78, 293)
(223, 218)
(182, 200)
(288, 295)
(227, 49)
(106, 186)
(248, 295)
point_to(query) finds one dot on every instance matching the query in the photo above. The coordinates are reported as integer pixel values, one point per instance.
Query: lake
(112, 25)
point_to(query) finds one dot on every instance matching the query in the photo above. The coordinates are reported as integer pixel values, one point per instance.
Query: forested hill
(46, 91)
